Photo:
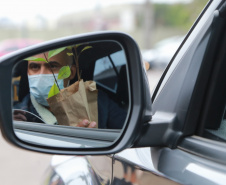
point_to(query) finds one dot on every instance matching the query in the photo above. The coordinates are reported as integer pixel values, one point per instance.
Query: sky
(19, 10)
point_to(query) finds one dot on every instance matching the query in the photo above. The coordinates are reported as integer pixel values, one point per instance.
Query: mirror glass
(73, 96)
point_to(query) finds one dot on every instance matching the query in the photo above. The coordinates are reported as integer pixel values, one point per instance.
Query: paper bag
(75, 103)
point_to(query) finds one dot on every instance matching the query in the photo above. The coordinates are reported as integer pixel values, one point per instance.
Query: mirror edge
(140, 111)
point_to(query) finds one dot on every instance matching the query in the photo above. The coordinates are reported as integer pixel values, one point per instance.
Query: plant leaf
(55, 52)
(64, 72)
(85, 48)
(36, 59)
(70, 54)
(77, 45)
(53, 91)
(69, 48)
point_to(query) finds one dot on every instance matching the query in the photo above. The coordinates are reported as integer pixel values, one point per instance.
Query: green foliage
(77, 45)
(70, 54)
(179, 14)
(55, 52)
(69, 48)
(36, 59)
(64, 72)
(53, 91)
(175, 15)
(85, 48)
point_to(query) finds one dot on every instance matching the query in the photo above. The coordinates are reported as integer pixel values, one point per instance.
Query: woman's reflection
(39, 78)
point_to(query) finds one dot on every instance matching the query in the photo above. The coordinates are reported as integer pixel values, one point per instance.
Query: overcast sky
(18, 10)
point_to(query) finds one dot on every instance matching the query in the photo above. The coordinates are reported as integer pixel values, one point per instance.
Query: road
(28, 168)
(19, 166)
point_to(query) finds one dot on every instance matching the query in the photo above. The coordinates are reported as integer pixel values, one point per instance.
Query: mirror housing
(139, 112)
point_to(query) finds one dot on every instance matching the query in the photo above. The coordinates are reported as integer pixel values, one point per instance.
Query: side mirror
(85, 94)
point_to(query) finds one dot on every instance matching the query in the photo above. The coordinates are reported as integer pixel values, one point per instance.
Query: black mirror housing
(139, 112)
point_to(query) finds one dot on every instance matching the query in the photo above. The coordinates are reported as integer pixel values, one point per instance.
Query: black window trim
(214, 101)
(206, 81)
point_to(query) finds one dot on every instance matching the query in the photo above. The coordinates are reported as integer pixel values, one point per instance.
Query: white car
(162, 52)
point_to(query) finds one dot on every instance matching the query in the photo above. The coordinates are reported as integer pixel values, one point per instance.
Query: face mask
(40, 86)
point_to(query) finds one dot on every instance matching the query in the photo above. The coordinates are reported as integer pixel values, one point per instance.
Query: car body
(181, 140)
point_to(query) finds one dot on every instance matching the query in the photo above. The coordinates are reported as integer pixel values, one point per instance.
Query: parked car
(175, 136)
(162, 52)
(10, 45)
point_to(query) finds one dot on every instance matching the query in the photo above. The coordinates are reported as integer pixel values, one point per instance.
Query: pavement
(18, 166)
(22, 167)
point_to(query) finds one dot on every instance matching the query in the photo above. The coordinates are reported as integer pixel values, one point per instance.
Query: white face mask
(40, 86)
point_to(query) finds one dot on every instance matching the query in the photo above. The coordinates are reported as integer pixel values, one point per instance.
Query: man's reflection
(40, 80)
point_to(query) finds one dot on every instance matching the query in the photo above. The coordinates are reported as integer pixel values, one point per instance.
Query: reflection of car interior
(88, 65)
(106, 64)
(103, 63)
(110, 74)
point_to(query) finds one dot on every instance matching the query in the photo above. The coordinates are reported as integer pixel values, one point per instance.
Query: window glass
(218, 132)
(118, 59)
(102, 65)
(107, 69)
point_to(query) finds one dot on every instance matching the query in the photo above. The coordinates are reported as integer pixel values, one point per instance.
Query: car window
(218, 131)
(118, 59)
(213, 114)
(104, 74)
(107, 69)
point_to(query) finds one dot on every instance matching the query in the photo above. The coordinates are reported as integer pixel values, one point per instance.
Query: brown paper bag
(75, 103)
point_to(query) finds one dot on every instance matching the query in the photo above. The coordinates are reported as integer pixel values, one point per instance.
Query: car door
(192, 92)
